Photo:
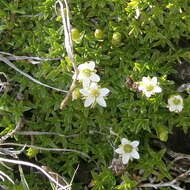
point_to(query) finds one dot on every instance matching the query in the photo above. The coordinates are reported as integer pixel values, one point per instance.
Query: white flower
(175, 103)
(128, 150)
(94, 94)
(149, 86)
(87, 73)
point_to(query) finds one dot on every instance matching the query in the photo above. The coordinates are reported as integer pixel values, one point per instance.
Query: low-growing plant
(102, 84)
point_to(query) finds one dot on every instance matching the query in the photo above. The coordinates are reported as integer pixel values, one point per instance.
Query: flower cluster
(149, 86)
(91, 91)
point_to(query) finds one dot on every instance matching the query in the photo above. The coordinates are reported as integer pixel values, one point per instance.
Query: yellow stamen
(149, 87)
(176, 101)
(95, 92)
(87, 72)
(127, 148)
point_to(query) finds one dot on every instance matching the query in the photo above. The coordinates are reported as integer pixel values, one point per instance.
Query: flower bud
(99, 35)
(116, 38)
(76, 94)
(75, 34)
(162, 134)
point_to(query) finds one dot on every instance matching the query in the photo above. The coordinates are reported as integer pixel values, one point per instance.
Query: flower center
(149, 87)
(176, 101)
(127, 148)
(95, 92)
(87, 72)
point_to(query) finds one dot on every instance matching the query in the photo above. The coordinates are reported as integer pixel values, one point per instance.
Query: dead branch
(45, 133)
(3, 176)
(68, 47)
(19, 162)
(175, 182)
(18, 126)
(47, 149)
(33, 60)
(11, 152)
(10, 64)
(3, 85)
(159, 185)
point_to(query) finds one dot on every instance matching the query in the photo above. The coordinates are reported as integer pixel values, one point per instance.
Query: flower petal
(104, 91)
(170, 101)
(157, 89)
(135, 143)
(135, 154)
(180, 107)
(125, 141)
(172, 108)
(89, 100)
(100, 100)
(86, 83)
(94, 85)
(175, 108)
(119, 151)
(84, 92)
(125, 158)
(145, 79)
(81, 76)
(148, 94)
(94, 77)
(154, 80)
(82, 66)
(179, 97)
(91, 65)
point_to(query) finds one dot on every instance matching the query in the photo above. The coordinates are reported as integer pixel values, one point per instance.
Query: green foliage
(150, 45)
(105, 180)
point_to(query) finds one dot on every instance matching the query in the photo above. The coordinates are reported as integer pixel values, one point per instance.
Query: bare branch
(18, 126)
(47, 149)
(173, 183)
(6, 61)
(176, 181)
(157, 186)
(74, 174)
(45, 133)
(31, 59)
(69, 48)
(19, 162)
(3, 175)
(3, 85)
(55, 175)
(11, 152)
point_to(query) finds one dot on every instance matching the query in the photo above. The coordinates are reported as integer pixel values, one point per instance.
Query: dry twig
(3, 85)
(68, 186)
(174, 183)
(45, 133)
(68, 47)
(47, 149)
(10, 64)
(18, 126)
(159, 185)
(3, 176)
(33, 60)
